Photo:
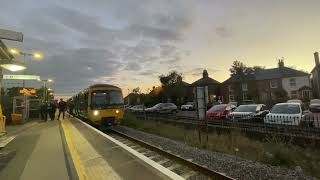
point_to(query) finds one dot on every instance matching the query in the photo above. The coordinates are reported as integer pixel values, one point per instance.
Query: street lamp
(45, 91)
(13, 65)
(35, 55)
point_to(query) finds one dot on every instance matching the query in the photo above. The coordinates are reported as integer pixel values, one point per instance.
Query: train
(102, 105)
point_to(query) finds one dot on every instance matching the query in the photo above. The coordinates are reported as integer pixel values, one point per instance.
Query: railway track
(182, 167)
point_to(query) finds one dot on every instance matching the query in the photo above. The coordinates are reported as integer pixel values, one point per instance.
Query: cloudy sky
(131, 42)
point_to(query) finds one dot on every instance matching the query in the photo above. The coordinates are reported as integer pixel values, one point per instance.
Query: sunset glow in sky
(129, 43)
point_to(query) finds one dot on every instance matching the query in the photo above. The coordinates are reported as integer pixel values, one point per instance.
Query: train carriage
(100, 104)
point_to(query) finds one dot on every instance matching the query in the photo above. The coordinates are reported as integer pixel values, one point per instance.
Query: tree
(171, 79)
(136, 90)
(281, 95)
(237, 68)
(172, 85)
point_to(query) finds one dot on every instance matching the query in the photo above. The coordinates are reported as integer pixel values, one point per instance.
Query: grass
(272, 150)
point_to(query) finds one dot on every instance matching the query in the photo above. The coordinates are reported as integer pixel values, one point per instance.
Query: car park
(285, 114)
(250, 113)
(220, 111)
(314, 106)
(189, 106)
(163, 108)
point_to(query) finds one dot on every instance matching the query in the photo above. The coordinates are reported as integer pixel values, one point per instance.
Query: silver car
(163, 108)
(314, 105)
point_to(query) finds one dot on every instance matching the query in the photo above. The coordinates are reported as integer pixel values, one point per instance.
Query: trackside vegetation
(271, 150)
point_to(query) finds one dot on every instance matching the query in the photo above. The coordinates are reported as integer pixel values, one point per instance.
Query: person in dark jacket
(52, 110)
(44, 111)
(62, 105)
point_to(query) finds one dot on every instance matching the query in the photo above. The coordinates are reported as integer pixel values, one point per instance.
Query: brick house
(268, 86)
(213, 86)
(315, 77)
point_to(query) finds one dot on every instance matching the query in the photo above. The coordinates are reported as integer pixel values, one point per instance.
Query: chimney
(205, 74)
(316, 58)
(280, 64)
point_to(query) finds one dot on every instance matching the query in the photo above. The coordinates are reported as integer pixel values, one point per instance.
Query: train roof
(103, 85)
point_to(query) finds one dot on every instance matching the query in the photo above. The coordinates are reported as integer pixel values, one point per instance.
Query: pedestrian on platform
(52, 110)
(71, 108)
(43, 111)
(62, 108)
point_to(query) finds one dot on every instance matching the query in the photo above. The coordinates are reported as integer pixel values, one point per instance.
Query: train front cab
(105, 107)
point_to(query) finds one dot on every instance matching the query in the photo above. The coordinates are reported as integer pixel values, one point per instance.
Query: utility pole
(128, 96)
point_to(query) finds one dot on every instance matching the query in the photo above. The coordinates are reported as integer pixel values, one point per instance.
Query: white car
(285, 114)
(137, 108)
(163, 108)
(187, 107)
(314, 105)
(294, 101)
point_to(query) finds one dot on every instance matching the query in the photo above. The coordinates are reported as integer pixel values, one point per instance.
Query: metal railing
(306, 126)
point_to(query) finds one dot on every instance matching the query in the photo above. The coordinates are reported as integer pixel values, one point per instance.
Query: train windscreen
(103, 99)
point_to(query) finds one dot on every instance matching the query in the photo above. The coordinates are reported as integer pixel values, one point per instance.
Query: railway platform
(70, 149)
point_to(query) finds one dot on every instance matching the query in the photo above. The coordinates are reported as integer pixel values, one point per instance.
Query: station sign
(11, 35)
(28, 92)
(21, 77)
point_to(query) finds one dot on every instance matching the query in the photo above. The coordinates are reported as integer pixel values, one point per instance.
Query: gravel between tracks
(230, 165)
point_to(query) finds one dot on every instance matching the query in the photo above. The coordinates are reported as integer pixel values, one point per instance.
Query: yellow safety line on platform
(74, 154)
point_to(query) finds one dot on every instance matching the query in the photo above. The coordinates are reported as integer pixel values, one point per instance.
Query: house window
(294, 94)
(245, 96)
(292, 82)
(273, 84)
(244, 87)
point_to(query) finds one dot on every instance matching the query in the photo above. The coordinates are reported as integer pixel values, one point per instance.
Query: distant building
(268, 85)
(315, 77)
(213, 86)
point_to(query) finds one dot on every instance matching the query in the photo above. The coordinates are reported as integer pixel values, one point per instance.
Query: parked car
(163, 108)
(314, 105)
(252, 112)
(245, 102)
(285, 114)
(187, 107)
(137, 108)
(220, 111)
(294, 101)
(234, 103)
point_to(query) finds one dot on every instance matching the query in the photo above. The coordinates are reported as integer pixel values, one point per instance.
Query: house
(268, 86)
(213, 86)
(315, 77)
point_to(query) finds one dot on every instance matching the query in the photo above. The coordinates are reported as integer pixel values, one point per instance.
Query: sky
(129, 43)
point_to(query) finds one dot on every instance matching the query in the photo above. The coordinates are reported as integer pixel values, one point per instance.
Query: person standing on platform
(52, 110)
(43, 111)
(62, 108)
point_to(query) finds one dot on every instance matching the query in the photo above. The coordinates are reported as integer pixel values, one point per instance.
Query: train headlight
(117, 111)
(95, 113)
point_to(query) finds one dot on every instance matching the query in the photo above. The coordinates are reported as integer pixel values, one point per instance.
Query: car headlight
(117, 111)
(95, 112)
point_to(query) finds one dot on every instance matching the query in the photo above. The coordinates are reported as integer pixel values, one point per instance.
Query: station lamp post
(35, 55)
(45, 90)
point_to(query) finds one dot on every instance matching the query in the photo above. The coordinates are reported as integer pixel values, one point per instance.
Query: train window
(102, 99)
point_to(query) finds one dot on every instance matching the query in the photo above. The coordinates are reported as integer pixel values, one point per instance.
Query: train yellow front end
(106, 117)
(100, 104)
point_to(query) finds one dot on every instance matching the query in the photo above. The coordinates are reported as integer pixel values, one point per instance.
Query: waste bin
(16, 118)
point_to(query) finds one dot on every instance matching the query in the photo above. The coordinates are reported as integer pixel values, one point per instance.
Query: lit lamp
(12, 65)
